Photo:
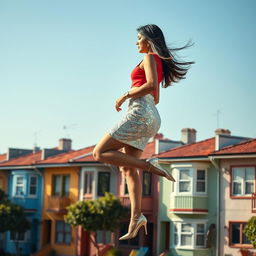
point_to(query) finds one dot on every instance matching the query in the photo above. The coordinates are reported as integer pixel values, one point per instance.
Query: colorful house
(25, 188)
(189, 208)
(237, 168)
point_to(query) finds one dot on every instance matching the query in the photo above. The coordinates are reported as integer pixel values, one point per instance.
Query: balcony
(189, 204)
(58, 204)
(253, 202)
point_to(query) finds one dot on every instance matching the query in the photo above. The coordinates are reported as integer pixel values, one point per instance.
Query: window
(60, 185)
(88, 179)
(103, 183)
(243, 181)
(32, 185)
(103, 237)
(17, 236)
(189, 235)
(147, 181)
(63, 232)
(236, 235)
(184, 180)
(200, 181)
(130, 242)
(19, 188)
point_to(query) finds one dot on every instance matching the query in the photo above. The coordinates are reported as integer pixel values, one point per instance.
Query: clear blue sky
(64, 63)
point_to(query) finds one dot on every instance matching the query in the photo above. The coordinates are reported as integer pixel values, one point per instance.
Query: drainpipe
(215, 164)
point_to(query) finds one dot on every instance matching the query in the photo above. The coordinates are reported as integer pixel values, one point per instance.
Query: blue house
(25, 189)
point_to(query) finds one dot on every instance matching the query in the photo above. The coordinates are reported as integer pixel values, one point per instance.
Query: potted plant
(244, 251)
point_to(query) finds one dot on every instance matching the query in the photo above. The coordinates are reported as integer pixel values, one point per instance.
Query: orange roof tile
(23, 160)
(200, 148)
(3, 157)
(71, 156)
(248, 146)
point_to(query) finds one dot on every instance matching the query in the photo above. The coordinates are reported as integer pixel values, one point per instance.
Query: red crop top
(138, 75)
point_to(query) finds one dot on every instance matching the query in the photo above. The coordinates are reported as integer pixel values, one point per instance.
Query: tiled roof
(197, 149)
(246, 147)
(3, 157)
(71, 156)
(23, 160)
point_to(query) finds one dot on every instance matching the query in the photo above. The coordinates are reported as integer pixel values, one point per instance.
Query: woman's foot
(134, 227)
(155, 167)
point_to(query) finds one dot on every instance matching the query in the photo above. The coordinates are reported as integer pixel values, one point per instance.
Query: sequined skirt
(141, 122)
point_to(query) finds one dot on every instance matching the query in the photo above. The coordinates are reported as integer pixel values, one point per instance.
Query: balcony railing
(253, 202)
(58, 204)
(189, 204)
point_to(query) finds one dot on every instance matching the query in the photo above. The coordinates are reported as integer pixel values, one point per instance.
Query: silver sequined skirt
(141, 122)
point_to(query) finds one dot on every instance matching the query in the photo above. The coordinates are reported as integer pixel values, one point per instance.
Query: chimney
(65, 144)
(188, 135)
(221, 131)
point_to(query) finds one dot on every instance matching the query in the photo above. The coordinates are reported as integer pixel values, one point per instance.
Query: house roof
(72, 156)
(28, 159)
(3, 157)
(198, 149)
(244, 147)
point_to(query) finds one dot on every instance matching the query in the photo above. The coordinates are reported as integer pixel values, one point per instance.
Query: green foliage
(250, 230)
(113, 252)
(12, 216)
(104, 213)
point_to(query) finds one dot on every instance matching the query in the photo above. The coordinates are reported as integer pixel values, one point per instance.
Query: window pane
(235, 233)
(244, 238)
(67, 227)
(59, 238)
(238, 174)
(186, 227)
(200, 228)
(33, 180)
(249, 174)
(56, 185)
(201, 174)
(20, 180)
(184, 186)
(184, 174)
(67, 238)
(32, 190)
(90, 183)
(146, 183)
(249, 187)
(65, 185)
(186, 240)
(200, 186)
(200, 240)
(237, 188)
(103, 183)
(19, 191)
(59, 226)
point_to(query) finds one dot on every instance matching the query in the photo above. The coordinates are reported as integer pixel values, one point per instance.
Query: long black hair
(173, 69)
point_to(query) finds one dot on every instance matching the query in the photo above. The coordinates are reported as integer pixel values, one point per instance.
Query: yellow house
(60, 190)
(3, 175)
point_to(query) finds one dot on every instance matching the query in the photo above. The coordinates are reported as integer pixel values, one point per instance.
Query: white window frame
(193, 172)
(90, 178)
(33, 195)
(242, 181)
(18, 185)
(205, 181)
(193, 233)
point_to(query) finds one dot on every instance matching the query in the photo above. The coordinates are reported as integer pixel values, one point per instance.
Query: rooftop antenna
(66, 128)
(218, 117)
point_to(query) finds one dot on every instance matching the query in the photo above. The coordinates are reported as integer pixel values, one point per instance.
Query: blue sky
(64, 63)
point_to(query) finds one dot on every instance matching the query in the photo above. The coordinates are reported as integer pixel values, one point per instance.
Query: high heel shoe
(141, 221)
(154, 162)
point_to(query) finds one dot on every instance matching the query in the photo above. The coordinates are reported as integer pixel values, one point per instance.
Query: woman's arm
(151, 84)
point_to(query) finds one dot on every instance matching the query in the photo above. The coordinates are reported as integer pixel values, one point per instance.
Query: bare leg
(134, 185)
(107, 151)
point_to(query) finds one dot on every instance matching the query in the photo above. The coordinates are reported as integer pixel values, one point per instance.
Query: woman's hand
(119, 102)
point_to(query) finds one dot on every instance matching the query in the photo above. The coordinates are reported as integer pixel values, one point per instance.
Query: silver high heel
(154, 162)
(141, 221)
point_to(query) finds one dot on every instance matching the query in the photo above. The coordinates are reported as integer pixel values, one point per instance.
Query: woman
(142, 120)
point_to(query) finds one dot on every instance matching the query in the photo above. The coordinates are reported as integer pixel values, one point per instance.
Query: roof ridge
(186, 145)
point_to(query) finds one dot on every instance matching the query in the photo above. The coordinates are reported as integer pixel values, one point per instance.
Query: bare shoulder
(149, 60)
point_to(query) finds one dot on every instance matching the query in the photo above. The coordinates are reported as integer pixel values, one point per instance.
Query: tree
(13, 219)
(250, 230)
(105, 213)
